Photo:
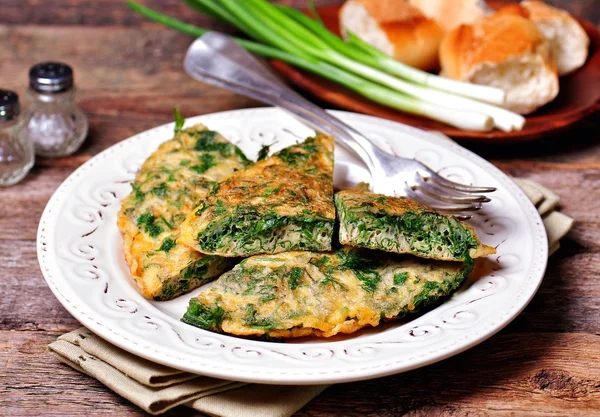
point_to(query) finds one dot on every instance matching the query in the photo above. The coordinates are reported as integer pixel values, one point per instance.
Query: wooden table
(547, 362)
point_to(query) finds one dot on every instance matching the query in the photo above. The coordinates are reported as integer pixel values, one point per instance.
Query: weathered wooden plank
(129, 80)
(111, 12)
(508, 375)
(103, 12)
(534, 374)
(31, 380)
(578, 145)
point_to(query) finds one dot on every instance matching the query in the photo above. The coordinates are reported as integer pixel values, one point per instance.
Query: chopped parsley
(264, 152)
(167, 245)
(203, 316)
(267, 293)
(294, 277)
(370, 279)
(139, 194)
(319, 262)
(197, 269)
(165, 221)
(170, 176)
(334, 282)
(160, 190)
(270, 191)
(179, 120)
(147, 220)
(201, 208)
(257, 323)
(206, 142)
(292, 157)
(206, 161)
(241, 155)
(431, 289)
(400, 278)
(362, 268)
(299, 153)
(220, 208)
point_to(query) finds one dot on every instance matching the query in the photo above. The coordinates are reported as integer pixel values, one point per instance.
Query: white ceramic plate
(80, 254)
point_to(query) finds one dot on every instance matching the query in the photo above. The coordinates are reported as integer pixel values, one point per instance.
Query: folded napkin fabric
(156, 388)
(557, 225)
(258, 401)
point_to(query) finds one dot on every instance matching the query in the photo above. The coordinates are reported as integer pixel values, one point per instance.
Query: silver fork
(216, 59)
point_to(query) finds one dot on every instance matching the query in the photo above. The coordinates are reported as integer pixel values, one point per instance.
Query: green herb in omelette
(179, 120)
(139, 194)
(167, 245)
(206, 162)
(402, 225)
(264, 152)
(400, 278)
(294, 294)
(147, 221)
(164, 192)
(278, 204)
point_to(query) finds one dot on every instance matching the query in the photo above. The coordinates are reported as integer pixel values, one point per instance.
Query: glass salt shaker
(16, 149)
(55, 124)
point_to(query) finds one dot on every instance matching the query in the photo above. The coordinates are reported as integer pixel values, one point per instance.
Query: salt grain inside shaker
(53, 121)
(16, 150)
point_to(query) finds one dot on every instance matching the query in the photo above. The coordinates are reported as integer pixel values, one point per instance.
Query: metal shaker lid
(9, 105)
(50, 77)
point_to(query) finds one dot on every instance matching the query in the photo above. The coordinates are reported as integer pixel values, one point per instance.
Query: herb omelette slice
(295, 294)
(169, 184)
(402, 225)
(281, 203)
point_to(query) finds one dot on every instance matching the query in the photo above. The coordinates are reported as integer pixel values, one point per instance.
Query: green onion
(357, 42)
(272, 32)
(216, 10)
(313, 10)
(503, 119)
(378, 59)
(299, 46)
(341, 54)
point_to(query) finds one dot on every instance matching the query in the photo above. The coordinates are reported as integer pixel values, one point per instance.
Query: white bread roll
(568, 41)
(452, 13)
(395, 28)
(506, 51)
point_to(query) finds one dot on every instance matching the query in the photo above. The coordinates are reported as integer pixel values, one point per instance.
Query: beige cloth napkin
(156, 388)
(557, 224)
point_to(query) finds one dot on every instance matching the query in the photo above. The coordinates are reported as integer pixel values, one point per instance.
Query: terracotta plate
(579, 96)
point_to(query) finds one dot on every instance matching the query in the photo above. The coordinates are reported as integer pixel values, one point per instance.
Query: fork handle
(216, 59)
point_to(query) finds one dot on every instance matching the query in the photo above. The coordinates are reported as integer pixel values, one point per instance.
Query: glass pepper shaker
(55, 124)
(16, 149)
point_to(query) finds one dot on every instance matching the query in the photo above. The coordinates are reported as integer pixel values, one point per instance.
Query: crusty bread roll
(568, 41)
(506, 51)
(396, 28)
(452, 13)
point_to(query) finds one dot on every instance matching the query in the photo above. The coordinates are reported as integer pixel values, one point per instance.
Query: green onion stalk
(503, 119)
(288, 35)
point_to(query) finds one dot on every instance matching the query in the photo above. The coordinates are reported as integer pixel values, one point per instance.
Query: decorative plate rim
(303, 376)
